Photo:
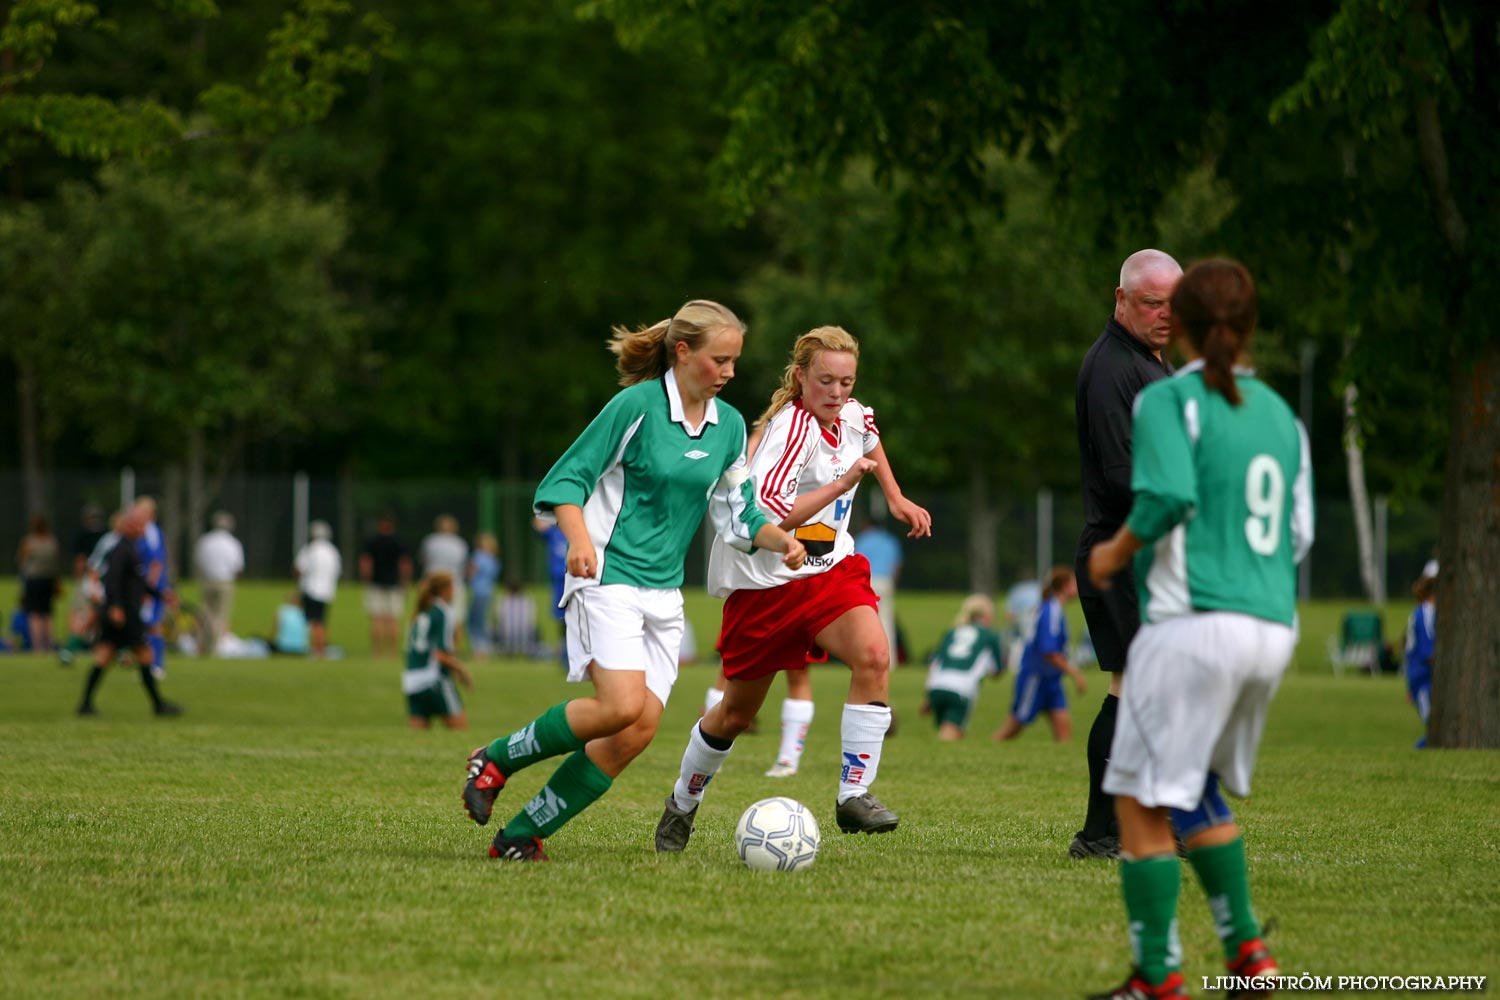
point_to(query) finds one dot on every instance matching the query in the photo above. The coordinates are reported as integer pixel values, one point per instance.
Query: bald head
(1141, 302)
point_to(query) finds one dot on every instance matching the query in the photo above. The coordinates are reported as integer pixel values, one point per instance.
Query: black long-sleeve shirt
(1114, 370)
(125, 585)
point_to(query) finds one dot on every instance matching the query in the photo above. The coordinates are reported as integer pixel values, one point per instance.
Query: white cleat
(781, 769)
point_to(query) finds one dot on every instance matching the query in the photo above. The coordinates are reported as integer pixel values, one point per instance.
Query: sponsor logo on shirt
(695, 454)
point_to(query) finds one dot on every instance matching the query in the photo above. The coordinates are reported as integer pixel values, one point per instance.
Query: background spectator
(318, 569)
(40, 560)
(385, 568)
(218, 560)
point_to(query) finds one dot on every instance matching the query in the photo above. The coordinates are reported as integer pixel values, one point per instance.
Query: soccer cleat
(1136, 988)
(1106, 847)
(517, 848)
(865, 814)
(87, 711)
(1253, 962)
(674, 828)
(168, 709)
(483, 783)
(781, 769)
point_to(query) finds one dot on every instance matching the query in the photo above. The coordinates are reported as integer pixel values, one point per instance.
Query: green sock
(1151, 886)
(1226, 882)
(548, 735)
(575, 786)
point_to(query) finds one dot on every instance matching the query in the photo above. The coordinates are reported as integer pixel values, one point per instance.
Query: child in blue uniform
(1039, 686)
(1421, 637)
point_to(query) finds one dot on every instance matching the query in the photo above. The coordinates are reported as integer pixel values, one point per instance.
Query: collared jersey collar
(679, 415)
(1196, 365)
(1117, 328)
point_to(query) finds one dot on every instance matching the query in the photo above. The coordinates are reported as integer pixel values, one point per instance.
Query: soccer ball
(777, 835)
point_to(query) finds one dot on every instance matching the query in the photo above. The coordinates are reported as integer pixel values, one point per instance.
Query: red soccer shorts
(766, 631)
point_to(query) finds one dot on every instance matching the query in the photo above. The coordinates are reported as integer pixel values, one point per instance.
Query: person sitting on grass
(1039, 683)
(430, 663)
(291, 635)
(969, 652)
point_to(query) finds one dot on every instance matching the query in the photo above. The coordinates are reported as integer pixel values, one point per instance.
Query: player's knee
(736, 718)
(623, 711)
(871, 656)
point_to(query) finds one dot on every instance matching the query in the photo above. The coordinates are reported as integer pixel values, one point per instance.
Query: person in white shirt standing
(318, 569)
(218, 559)
(445, 551)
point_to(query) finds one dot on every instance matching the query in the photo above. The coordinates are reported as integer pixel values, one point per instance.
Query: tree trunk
(1359, 497)
(984, 576)
(31, 438)
(1466, 670)
(169, 510)
(197, 496)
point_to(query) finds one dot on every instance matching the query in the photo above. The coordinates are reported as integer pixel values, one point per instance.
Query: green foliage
(302, 72)
(195, 305)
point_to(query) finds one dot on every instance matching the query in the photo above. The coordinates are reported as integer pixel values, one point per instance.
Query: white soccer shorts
(620, 627)
(1195, 696)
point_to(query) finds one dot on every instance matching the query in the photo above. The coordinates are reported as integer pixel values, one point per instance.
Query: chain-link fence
(271, 515)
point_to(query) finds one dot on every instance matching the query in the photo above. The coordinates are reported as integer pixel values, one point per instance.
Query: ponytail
(1220, 347)
(645, 354)
(431, 586)
(1214, 306)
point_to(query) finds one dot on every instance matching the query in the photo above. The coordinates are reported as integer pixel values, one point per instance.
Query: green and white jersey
(966, 656)
(430, 631)
(1223, 499)
(644, 478)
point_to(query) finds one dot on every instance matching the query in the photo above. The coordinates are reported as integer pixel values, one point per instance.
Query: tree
(1378, 151)
(201, 316)
(44, 121)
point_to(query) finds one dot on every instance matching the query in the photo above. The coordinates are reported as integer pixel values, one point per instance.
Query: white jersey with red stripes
(798, 456)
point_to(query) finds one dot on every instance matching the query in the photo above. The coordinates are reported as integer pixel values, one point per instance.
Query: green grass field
(289, 837)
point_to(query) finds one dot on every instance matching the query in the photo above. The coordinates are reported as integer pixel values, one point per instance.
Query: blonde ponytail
(644, 354)
(431, 586)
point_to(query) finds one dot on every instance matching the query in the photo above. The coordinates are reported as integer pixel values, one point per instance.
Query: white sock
(700, 762)
(863, 731)
(712, 698)
(796, 716)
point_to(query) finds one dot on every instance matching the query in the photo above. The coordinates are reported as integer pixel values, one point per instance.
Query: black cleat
(865, 814)
(1106, 847)
(674, 828)
(87, 711)
(483, 783)
(169, 709)
(517, 848)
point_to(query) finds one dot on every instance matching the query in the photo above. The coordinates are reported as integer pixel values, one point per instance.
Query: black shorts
(315, 610)
(1113, 615)
(131, 635)
(37, 595)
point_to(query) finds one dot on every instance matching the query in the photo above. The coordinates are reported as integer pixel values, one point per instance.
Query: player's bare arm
(582, 561)
(810, 503)
(901, 508)
(1108, 558)
(775, 539)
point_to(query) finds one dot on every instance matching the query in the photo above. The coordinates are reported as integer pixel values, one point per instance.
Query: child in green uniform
(968, 653)
(629, 495)
(430, 664)
(1222, 514)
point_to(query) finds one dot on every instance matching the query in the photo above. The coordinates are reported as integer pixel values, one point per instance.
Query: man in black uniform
(1125, 359)
(120, 625)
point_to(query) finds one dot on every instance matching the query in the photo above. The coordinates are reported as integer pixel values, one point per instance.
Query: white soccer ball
(777, 835)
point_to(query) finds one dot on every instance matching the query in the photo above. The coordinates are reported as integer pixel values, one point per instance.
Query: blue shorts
(1038, 691)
